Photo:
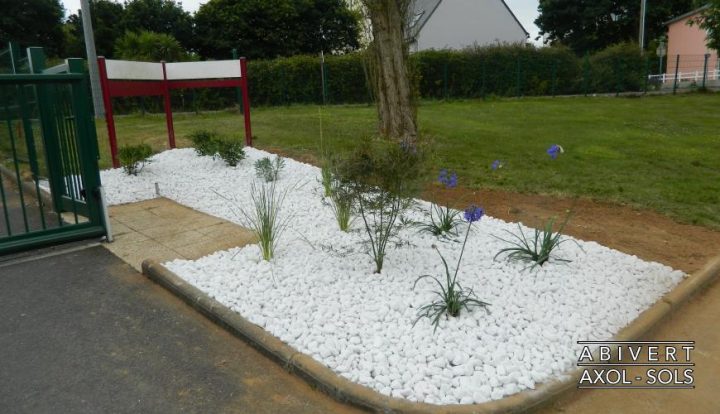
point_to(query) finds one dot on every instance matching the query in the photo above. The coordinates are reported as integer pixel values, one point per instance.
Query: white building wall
(460, 23)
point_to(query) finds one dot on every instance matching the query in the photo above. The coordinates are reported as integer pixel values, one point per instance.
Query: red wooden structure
(122, 78)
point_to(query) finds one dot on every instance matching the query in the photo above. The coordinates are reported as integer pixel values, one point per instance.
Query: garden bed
(320, 294)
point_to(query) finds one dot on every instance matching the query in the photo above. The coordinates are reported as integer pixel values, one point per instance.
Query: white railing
(691, 76)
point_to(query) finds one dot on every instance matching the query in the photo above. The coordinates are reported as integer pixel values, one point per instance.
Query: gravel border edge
(366, 398)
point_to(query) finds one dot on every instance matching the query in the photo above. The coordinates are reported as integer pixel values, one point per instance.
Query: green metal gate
(49, 177)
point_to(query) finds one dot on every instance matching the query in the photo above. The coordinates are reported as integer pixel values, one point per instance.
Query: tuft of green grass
(265, 219)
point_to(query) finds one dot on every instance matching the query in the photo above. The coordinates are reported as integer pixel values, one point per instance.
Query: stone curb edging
(366, 398)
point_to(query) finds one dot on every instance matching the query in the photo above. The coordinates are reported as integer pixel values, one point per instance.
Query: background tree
(590, 25)
(33, 23)
(272, 28)
(149, 46)
(710, 21)
(160, 16)
(107, 22)
(389, 68)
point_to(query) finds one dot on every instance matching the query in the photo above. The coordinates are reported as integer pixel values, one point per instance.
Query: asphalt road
(82, 332)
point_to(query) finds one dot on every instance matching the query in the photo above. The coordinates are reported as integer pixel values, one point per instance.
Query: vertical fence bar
(5, 206)
(31, 150)
(519, 74)
(647, 73)
(2, 186)
(445, 80)
(618, 75)
(705, 70)
(484, 79)
(18, 178)
(586, 73)
(677, 68)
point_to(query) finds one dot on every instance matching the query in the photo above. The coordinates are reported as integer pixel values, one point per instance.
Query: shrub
(231, 151)
(538, 249)
(264, 219)
(383, 177)
(205, 142)
(451, 296)
(134, 157)
(268, 169)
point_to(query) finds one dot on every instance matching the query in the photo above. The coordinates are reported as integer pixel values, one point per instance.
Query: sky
(525, 10)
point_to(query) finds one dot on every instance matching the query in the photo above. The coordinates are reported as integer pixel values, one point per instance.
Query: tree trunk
(389, 69)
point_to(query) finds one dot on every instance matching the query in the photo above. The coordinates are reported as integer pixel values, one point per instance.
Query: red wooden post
(109, 120)
(168, 108)
(246, 101)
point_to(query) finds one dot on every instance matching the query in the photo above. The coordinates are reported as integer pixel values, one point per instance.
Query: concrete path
(82, 332)
(164, 230)
(697, 321)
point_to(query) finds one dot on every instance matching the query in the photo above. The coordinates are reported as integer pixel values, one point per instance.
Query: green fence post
(618, 74)
(647, 72)
(445, 80)
(484, 80)
(519, 87)
(554, 77)
(705, 69)
(677, 68)
(586, 73)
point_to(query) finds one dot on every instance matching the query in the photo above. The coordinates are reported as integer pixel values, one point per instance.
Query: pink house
(690, 43)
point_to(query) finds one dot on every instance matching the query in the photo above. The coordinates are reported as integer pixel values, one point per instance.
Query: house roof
(686, 15)
(425, 20)
(515, 17)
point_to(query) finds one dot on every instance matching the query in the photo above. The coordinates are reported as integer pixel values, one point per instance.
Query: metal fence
(49, 178)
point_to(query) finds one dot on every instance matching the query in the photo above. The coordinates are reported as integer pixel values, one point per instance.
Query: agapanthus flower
(448, 179)
(554, 151)
(474, 213)
(496, 164)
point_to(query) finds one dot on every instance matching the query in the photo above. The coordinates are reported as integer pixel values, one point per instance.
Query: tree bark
(389, 69)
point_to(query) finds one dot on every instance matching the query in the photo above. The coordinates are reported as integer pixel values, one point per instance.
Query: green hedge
(502, 70)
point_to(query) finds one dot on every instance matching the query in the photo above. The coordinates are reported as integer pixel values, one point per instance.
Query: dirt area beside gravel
(646, 234)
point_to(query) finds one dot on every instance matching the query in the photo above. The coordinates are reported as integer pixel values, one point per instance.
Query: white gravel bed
(320, 295)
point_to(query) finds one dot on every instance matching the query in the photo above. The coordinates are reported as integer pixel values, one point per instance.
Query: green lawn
(660, 152)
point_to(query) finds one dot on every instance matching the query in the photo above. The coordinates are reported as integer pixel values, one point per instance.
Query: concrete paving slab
(163, 230)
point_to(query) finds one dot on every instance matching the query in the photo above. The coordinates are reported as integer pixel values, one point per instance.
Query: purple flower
(449, 180)
(473, 213)
(554, 151)
(496, 164)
